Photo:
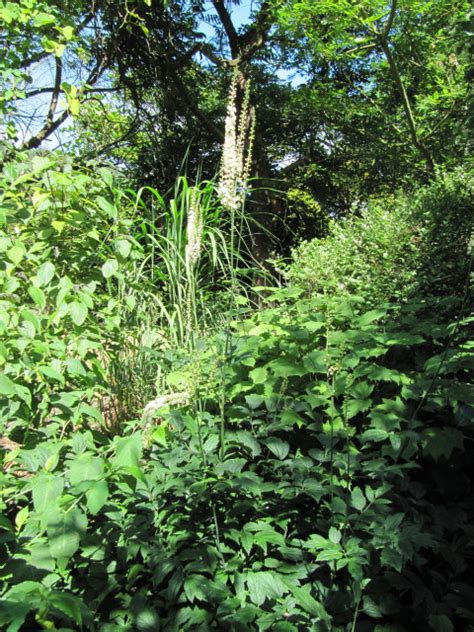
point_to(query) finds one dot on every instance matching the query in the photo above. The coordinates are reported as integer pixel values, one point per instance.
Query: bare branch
(229, 27)
(34, 93)
(389, 22)
(52, 125)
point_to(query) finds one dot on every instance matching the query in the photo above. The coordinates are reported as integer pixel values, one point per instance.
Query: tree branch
(39, 91)
(256, 35)
(229, 27)
(382, 40)
(52, 125)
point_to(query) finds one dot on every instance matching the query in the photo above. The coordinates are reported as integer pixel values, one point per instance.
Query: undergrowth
(303, 466)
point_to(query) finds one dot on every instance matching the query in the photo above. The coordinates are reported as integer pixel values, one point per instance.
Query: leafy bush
(319, 480)
(396, 247)
(64, 247)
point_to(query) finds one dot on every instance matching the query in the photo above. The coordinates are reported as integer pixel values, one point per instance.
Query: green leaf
(278, 447)
(43, 19)
(67, 32)
(307, 602)
(442, 441)
(258, 375)
(15, 254)
(370, 317)
(249, 441)
(51, 373)
(265, 585)
(193, 588)
(358, 499)
(254, 401)
(123, 247)
(334, 535)
(316, 361)
(13, 614)
(147, 620)
(37, 295)
(96, 496)
(85, 468)
(69, 605)
(65, 530)
(128, 451)
(286, 368)
(47, 488)
(106, 206)
(329, 554)
(78, 312)
(371, 609)
(392, 557)
(7, 387)
(46, 273)
(110, 268)
(373, 434)
(440, 623)
(355, 406)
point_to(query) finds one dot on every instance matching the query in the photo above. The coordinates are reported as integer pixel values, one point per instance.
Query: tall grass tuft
(192, 267)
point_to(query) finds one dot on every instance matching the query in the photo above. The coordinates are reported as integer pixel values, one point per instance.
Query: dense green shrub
(319, 480)
(396, 247)
(64, 247)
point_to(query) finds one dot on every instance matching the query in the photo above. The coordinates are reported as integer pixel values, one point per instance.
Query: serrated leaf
(193, 588)
(278, 447)
(258, 375)
(334, 535)
(442, 441)
(371, 609)
(51, 373)
(440, 623)
(306, 601)
(286, 368)
(329, 554)
(265, 585)
(68, 604)
(249, 441)
(355, 406)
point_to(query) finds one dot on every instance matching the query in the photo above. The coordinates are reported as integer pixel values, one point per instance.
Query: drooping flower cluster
(237, 149)
(194, 228)
(173, 399)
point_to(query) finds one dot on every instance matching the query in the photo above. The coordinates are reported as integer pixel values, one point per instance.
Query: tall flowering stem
(194, 228)
(237, 149)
